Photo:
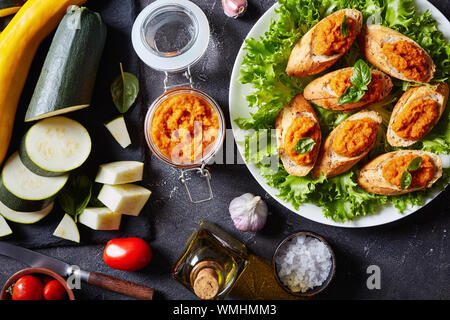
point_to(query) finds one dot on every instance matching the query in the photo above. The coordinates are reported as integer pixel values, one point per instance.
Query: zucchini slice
(55, 146)
(68, 76)
(23, 190)
(5, 230)
(67, 229)
(119, 131)
(100, 219)
(24, 217)
(128, 199)
(120, 172)
(8, 7)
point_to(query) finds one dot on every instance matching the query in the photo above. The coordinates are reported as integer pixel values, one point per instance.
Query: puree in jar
(394, 169)
(355, 137)
(328, 39)
(302, 127)
(407, 59)
(341, 81)
(416, 119)
(184, 128)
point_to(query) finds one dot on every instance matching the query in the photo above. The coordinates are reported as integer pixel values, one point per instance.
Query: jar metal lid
(171, 35)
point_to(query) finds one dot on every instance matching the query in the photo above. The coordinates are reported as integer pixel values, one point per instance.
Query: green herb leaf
(304, 145)
(360, 79)
(406, 180)
(344, 26)
(415, 164)
(124, 90)
(76, 195)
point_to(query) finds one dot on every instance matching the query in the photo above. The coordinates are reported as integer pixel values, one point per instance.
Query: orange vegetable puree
(407, 59)
(301, 128)
(184, 128)
(328, 39)
(416, 119)
(394, 169)
(355, 137)
(341, 81)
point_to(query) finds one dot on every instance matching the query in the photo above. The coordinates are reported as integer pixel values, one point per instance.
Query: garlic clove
(234, 8)
(249, 213)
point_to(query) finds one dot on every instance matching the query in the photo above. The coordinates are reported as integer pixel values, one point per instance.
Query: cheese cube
(126, 199)
(100, 219)
(120, 172)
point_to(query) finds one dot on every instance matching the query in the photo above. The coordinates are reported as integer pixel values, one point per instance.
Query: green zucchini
(8, 7)
(22, 190)
(54, 146)
(24, 217)
(68, 76)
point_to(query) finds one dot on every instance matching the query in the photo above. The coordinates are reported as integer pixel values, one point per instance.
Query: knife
(37, 260)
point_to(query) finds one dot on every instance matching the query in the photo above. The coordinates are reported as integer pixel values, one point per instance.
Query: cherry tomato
(28, 288)
(46, 279)
(127, 254)
(54, 290)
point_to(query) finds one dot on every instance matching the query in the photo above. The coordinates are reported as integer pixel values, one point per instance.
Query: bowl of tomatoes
(36, 284)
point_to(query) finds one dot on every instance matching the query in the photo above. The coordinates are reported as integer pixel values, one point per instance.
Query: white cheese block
(119, 131)
(67, 229)
(126, 199)
(4, 228)
(100, 219)
(120, 172)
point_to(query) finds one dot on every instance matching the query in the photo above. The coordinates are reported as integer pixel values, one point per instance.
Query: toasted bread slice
(329, 162)
(438, 94)
(371, 41)
(298, 107)
(320, 92)
(371, 179)
(304, 61)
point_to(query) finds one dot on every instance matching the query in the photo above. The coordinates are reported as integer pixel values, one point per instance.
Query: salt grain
(303, 263)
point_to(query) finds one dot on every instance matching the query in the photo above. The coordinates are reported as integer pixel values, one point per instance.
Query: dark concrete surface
(413, 253)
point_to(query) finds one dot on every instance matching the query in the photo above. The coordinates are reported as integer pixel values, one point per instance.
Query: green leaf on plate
(406, 180)
(415, 164)
(304, 145)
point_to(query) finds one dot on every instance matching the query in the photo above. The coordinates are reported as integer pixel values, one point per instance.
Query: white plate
(239, 109)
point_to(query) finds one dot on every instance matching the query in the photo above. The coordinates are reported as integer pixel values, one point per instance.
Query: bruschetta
(383, 175)
(347, 144)
(325, 43)
(298, 136)
(396, 54)
(416, 113)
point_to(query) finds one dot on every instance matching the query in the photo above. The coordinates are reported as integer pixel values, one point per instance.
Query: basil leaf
(351, 94)
(76, 195)
(124, 90)
(362, 75)
(415, 164)
(304, 145)
(406, 180)
(344, 26)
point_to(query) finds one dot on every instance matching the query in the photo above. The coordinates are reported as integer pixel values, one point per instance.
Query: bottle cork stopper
(206, 284)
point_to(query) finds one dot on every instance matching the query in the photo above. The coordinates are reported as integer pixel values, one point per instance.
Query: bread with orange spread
(326, 90)
(396, 54)
(298, 109)
(416, 113)
(374, 177)
(342, 150)
(324, 43)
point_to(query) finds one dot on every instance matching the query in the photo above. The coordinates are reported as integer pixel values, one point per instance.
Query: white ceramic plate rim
(239, 108)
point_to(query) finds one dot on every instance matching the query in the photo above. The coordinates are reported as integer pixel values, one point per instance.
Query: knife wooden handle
(121, 286)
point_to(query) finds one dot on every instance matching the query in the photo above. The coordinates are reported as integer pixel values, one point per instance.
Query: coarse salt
(303, 263)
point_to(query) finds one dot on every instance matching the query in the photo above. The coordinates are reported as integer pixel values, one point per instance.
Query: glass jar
(171, 36)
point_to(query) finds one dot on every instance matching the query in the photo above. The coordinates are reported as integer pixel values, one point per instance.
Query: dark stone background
(413, 253)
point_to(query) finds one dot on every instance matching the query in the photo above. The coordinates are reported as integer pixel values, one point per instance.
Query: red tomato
(28, 288)
(46, 279)
(127, 254)
(54, 290)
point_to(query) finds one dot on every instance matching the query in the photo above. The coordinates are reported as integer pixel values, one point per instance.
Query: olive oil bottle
(211, 263)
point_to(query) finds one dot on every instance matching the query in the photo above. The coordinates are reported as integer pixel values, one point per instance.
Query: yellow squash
(18, 44)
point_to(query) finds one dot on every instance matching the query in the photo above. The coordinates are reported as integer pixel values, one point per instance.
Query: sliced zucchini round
(23, 190)
(55, 146)
(24, 217)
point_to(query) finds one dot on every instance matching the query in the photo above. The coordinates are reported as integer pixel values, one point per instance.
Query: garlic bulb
(249, 213)
(234, 8)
